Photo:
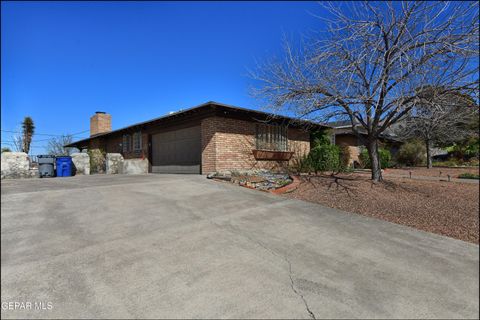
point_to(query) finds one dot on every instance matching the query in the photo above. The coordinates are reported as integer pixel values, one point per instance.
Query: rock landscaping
(16, 165)
(446, 208)
(81, 161)
(256, 179)
(114, 163)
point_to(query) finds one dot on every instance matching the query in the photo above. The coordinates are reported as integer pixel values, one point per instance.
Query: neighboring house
(207, 138)
(342, 135)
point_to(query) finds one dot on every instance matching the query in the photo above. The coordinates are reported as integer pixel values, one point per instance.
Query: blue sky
(62, 61)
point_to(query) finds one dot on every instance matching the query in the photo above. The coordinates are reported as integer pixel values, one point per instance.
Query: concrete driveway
(182, 246)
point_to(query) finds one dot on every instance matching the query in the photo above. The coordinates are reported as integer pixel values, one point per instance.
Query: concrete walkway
(182, 246)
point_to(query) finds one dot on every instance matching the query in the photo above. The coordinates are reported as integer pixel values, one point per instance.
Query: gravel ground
(434, 172)
(446, 208)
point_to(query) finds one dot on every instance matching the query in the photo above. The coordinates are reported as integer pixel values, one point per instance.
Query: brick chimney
(100, 122)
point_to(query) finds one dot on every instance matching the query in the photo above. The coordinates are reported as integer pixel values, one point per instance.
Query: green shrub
(385, 158)
(325, 158)
(448, 163)
(465, 150)
(469, 176)
(473, 162)
(321, 137)
(453, 162)
(301, 165)
(412, 153)
(472, 149)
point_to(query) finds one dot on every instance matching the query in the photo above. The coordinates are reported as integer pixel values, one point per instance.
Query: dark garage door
(177, 151)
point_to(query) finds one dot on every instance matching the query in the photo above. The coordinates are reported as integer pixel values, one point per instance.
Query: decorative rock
(135, 166)
(211, 175)
(224, 173)
(81, 163)
(33, 173)
(15, 165)
(114, 163)
(259, 179)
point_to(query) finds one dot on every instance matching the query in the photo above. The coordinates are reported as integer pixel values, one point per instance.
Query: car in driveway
(182, 246)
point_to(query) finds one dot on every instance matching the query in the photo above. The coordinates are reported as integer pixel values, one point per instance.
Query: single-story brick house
(342, 135)
(207, 138)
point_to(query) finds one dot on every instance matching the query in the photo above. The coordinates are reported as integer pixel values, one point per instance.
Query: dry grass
(446, 208)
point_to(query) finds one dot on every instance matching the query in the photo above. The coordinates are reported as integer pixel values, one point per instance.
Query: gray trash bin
(46, 166)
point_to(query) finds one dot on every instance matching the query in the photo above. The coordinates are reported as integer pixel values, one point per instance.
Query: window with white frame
(137, 141)
(271, 137)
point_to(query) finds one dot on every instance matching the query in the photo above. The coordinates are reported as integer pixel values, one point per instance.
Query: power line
(12, 145)
(34, 141)
(78, 133)
(40, 134)
(47, 134)
(49, 139)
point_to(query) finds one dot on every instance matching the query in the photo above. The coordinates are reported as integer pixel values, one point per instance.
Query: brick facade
(226, 142)
(114, 145)
(100, 123)
(208, 127)
(353, 145)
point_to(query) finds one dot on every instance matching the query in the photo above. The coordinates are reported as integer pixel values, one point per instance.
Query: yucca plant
(28, 130)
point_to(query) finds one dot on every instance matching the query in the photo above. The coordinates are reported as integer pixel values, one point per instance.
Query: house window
(271, 137)
(126, 143)
(132, 142)
(137, 141)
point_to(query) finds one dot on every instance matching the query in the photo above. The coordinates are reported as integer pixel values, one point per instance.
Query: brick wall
(114, 145)
(298, 142)
(208, 126)
(354, 154)
(228, 143)
(353, 145)
(100, 122)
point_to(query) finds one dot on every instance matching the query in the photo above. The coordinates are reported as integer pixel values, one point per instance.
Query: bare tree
(439, 119)
(56, 146)
(371, 60)
(17, 141)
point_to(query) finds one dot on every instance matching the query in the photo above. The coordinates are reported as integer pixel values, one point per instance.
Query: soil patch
(446, 208)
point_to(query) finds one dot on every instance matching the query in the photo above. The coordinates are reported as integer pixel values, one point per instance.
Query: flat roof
(210, 104)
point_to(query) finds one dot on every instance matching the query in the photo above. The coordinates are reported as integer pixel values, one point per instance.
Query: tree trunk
(429, 155)
(372, 147)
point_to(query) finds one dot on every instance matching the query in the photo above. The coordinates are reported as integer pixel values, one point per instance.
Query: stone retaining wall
(135, 166)
(16, 165)
(114, 163)
(81, 162)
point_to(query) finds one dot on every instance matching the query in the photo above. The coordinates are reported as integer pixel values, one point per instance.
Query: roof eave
(212, 104)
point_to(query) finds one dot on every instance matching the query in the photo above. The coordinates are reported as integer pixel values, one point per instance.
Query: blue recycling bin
(64, 166)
